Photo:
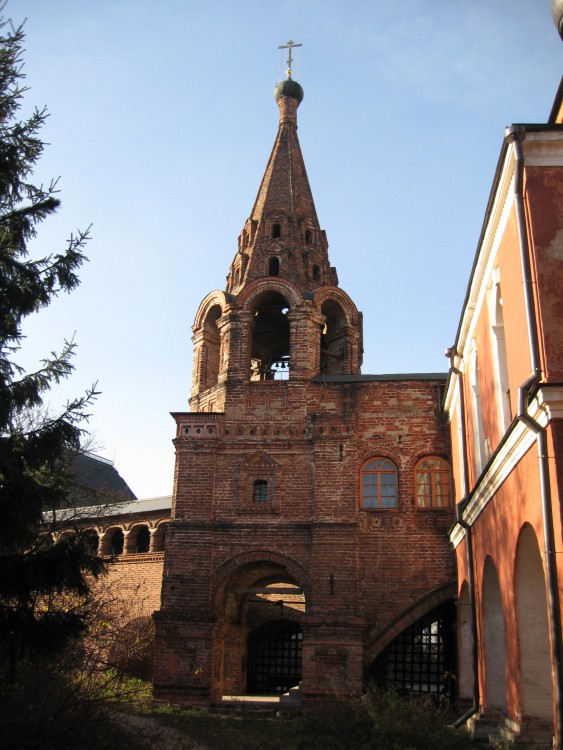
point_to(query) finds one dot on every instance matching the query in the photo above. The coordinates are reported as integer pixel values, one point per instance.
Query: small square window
(260, 493)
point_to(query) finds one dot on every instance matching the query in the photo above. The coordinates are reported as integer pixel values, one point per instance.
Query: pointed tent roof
(285, 185)
(284, 199)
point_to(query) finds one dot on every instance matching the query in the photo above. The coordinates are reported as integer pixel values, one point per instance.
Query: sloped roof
(96, 481)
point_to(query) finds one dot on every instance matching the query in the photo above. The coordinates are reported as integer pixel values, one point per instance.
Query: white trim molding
(547, 405)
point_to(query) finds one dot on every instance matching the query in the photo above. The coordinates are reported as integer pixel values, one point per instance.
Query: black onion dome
(289, 87)
(557, 15)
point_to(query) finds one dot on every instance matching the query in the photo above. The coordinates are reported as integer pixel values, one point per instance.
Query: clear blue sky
(162, 120)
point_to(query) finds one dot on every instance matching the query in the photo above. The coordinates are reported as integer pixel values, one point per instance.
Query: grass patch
(380, 721)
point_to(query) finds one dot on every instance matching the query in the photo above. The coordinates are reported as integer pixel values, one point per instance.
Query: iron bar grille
(274, 658)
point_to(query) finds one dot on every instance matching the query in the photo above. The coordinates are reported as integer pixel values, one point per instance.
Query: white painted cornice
(543, 149)
(547, 405)
(502, 201)
(550, 400)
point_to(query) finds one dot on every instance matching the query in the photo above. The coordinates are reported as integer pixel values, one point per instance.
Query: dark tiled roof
(96, 481)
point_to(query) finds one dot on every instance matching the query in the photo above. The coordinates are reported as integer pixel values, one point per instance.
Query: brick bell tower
(262, 586)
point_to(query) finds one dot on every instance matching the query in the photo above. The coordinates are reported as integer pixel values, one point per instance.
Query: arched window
(480, 457)
(334, 339)
(308, 237)
(316, 273)
(276, 230)
(208, 361)
(379, 484)
(143, 540)
(274, 269)
(117, 542)
(432, 478)
(500, 361)
(92, 540)
(260, 494)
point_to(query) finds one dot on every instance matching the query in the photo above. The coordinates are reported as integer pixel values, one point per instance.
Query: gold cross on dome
(289, 46)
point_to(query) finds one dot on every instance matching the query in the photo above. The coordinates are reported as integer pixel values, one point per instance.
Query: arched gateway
(284, 559)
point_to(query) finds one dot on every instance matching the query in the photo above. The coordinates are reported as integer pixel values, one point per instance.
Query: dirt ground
(152, 735)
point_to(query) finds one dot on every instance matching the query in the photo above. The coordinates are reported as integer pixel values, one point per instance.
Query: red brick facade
(505, 404)
(268, 489)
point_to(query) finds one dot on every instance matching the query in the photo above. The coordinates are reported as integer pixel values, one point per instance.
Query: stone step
(292, 697)
(534, 734)
(483, 725)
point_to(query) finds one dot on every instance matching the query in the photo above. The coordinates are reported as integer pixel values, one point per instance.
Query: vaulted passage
(258, 631)
(274, 657)
(420, 659)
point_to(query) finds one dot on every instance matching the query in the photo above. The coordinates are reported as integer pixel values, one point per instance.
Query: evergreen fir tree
(37, 577)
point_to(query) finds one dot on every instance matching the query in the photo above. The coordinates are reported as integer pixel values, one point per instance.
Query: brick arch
(531, 608)
(417, 456)
(226, 571)
(369, 455)
(335, 294)
(160, 528)
(465, 643)
(132, 541)
(493, 637)
(132, 524)
(214, 298)
(158, 522)
(376, 642)
(269, 284)
(106, 536)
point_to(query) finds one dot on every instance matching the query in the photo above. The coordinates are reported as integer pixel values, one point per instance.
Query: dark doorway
(274, 658)
(421, 659)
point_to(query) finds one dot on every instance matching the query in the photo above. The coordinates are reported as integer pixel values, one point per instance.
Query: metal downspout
(515, 135)
(452, 353)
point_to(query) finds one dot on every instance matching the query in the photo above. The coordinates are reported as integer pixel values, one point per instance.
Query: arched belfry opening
(209, 354)
(270, 337)
(333, 339)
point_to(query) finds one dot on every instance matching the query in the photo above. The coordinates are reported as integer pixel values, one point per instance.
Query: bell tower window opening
(274, 267)
(308, 237)
(209, 357)
(276, 231)
(333, 339)
(270, 336)
(316, 273)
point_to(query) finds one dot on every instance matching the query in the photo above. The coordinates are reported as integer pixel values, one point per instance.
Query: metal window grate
(274, 658)
(418, 661)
